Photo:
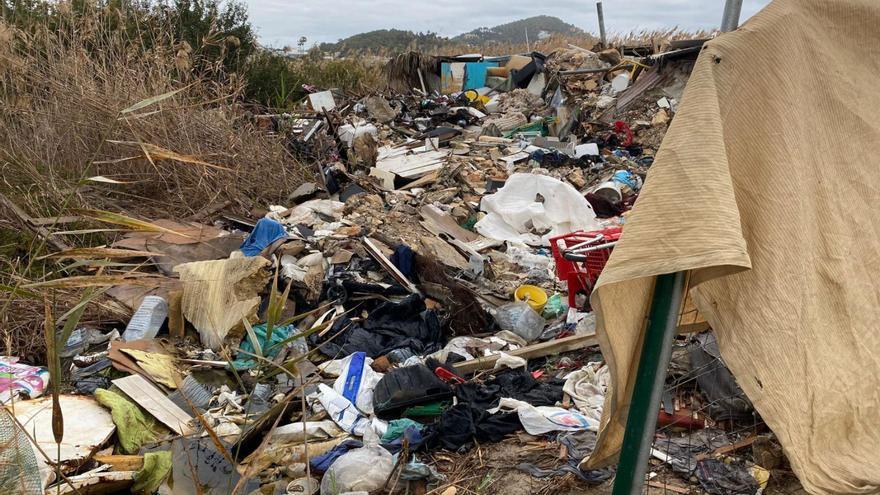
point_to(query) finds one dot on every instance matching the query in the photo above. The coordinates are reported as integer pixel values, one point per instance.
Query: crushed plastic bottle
(521, 319)
(147, 320)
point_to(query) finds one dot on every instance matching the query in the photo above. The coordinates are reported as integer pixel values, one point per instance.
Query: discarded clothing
(322, 462)
(587, 387)
(157, 467)
(726, 400)
(397, 427)
(720, 478)
(265, 232)
(412, 436)
(134, 428)
(595, 476)
(390, 326)
(517, 384)
(404, 259)
(578, 444)
(544, 419)
(461, 424)
(681, 452)
(270, 347)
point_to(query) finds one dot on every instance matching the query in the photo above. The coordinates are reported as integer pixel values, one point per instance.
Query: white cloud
(281, 23)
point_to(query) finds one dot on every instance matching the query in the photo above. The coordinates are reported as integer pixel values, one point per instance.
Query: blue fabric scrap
(265, 233)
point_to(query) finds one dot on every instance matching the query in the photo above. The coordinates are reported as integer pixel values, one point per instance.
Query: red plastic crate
(580, 257)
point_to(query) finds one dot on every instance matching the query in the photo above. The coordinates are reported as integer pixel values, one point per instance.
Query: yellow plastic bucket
(532, 295)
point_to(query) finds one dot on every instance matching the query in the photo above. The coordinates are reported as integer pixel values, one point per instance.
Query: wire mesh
(705, 427)
(19, 472)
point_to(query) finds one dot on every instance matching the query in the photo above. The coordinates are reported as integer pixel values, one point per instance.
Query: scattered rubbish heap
(413, 322)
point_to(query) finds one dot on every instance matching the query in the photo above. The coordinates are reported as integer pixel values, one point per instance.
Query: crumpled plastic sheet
(532, 208)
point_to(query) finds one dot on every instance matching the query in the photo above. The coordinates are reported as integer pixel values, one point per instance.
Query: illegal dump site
(634, 268)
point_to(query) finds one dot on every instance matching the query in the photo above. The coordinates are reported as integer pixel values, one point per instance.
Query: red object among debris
(623, 130)
(580, 258)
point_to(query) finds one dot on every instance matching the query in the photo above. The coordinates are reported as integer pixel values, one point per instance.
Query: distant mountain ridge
(396, 40)
(516, 31)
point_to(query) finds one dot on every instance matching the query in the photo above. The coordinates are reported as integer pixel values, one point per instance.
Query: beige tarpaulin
(766, 188)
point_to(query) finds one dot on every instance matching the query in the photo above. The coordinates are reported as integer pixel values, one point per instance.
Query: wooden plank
(542, 349)
(122, 462)
(388, 265)
(156, 403)
(726, 449)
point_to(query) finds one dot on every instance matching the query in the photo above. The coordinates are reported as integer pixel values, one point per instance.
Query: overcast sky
(282, 22)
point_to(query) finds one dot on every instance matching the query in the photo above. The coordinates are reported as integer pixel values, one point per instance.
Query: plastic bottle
(521, 319)
(147, 320)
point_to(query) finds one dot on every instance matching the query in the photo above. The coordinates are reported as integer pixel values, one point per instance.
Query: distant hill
(392, 40)
(515, 32)
(396, 40)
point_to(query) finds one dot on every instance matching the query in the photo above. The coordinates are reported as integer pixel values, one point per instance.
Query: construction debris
(428, 297)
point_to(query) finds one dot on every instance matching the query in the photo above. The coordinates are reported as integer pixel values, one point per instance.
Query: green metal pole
(650, 377)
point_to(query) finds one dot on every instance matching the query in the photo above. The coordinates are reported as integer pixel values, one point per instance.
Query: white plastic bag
(363, 376)
(544, 419)
(530, 203)
(364, 469)
(342, 411)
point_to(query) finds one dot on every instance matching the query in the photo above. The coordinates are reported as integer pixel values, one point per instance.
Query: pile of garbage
(430, 293)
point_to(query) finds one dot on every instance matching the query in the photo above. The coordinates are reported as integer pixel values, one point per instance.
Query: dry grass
(67, 93)
(62, 92)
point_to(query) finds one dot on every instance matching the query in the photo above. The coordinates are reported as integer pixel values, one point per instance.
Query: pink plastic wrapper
(20, 380)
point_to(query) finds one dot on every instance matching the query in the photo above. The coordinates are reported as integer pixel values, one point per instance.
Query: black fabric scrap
(469, 420)
(404, 259)
(719, 478)
(579, 444)
(390, 326)
(461, 424)
(515, 384)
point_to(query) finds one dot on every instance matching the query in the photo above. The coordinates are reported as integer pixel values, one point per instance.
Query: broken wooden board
(82, 439)
(156, 403)
(437, 222)
(542, 349)
(404, 163)
(441, 251)
(95, 482)
(376, 253)
(121, 462)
